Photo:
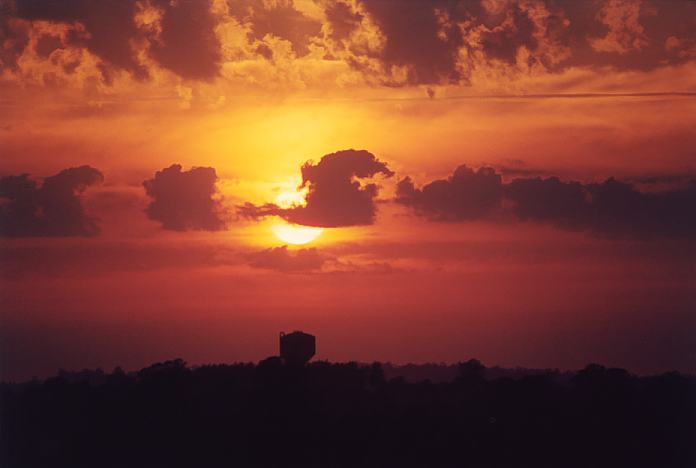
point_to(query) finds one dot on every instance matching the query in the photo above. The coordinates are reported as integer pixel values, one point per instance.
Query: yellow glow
(295, 234)
(290, 198)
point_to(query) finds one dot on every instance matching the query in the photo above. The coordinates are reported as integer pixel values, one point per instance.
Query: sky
(410, 181)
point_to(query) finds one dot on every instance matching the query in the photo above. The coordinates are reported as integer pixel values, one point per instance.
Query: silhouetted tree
(343, 415)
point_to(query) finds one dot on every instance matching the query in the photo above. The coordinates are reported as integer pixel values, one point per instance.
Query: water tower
(297, 348)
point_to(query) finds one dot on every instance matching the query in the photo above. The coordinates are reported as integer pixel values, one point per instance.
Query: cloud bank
(606, 208)
(467, 194)
(393, 43)
(54, 209)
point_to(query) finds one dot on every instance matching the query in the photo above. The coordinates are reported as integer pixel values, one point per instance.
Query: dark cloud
(335, 195)
(109, 28)
(467, 194)
(264, 51)
(618, 208)
(184, 200)
(420, 35)
(629, 34)
(503, 32)
(441, 41)
(422, 41)
(610, 207)
(444, 41)
(625, 34)
(188, 45)
(548, 199)
(279, 18)
(185, 43)
(54, 209)
(281, 259)
(607, 208)
(342, 18)
(46, 44)
(250, 211)
(14, 38)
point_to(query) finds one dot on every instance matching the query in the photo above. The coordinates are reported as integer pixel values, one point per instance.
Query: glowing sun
(293, 233)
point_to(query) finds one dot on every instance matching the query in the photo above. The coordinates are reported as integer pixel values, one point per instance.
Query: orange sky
(124, 260)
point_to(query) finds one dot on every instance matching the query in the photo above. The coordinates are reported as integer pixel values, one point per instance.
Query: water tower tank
(297, 348)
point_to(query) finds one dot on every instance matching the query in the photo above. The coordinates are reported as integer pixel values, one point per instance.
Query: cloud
(185, 40)
(106, 29)
(187, 44)
(335, 196)
(420, 35)
(281, 259)
(440, 41)
(342, 19)
(14, 37)
(628, 34)
(618, 208)
(279, 18)
(549, 199)
(607, 208)
(466, 194)
(184, 200)
(54, 209)
(624, 30)
(610, 207)
(46, 44)
(389, 42)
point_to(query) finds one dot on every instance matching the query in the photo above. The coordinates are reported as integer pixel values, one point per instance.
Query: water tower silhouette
(297, 348)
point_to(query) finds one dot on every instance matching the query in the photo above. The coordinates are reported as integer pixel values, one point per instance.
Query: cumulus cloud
(282, 259)
(14, 37)
(106, 29)
(46, 44)
(548, 199)
(466, 194)
(183, 39)
(53, 209)
(187, 44)
(184, 200)
(422, 36)
(336, 197)
(607, 208)
(342, 19)
(279, 18)
(441, 41)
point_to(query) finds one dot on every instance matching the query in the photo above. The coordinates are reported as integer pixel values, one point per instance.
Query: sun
(293, 233)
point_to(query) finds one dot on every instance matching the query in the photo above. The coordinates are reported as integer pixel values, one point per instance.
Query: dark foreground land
(335, 415)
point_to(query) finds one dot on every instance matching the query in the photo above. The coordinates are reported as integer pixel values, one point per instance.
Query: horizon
(418, 370)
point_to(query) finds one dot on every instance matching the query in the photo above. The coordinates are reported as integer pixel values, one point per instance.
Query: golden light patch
(289, 198)
(295, 234)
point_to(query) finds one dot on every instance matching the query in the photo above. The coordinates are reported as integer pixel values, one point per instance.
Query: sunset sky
(410, 181)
